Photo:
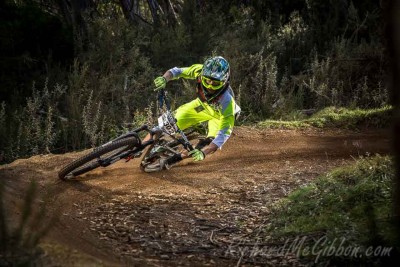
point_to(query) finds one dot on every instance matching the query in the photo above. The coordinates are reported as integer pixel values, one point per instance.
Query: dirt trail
(192, 214)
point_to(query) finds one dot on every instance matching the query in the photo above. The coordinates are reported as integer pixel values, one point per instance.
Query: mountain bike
(166, 140)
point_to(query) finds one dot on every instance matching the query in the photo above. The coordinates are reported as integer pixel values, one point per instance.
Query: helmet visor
(211, 83)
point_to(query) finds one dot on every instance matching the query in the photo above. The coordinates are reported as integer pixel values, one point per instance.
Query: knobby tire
(77, 167)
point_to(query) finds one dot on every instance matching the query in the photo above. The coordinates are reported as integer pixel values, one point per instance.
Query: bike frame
(155, 133)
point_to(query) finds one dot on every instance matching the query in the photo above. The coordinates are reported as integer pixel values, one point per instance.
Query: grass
(332, 117)
(352, 204)
(19, 241)
(57, 254)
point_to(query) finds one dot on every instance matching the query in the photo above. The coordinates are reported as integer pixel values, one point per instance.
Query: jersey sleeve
(227, 121)
(186, 72)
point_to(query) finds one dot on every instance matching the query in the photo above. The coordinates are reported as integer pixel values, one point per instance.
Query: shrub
(351, 203)
(339, 118)
(19, 244)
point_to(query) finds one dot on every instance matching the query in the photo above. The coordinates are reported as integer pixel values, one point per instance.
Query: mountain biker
(215, 104)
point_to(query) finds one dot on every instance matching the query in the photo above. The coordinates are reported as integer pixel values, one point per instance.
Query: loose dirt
(193, 214)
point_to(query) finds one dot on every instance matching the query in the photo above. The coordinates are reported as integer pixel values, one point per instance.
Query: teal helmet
(215, 73)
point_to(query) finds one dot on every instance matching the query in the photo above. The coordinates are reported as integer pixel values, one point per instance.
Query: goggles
(211, 84)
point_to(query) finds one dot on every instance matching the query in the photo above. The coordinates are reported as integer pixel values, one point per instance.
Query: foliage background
(77, 72)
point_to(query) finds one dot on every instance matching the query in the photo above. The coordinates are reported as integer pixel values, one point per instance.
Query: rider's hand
(197, 155)
(160, 83)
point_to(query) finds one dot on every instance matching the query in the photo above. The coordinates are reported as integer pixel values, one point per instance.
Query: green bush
(339, 118)
(352, 203)
(284, 58)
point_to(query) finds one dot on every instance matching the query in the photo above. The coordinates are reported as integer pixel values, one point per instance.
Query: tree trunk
(65, 11)
(129, 8)
(72, 13)
(79, 23)
(153, 6)
(169, 13)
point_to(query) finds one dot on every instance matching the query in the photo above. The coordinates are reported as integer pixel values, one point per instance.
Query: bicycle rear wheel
(92, 160)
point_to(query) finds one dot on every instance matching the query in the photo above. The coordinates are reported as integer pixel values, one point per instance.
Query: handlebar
(157, 131)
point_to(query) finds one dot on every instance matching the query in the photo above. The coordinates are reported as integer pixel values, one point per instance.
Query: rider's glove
(197, 154)
(160, 83)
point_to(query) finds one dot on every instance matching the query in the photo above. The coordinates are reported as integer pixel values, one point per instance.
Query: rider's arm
(191, 72)
(222, 136)
(187, 72)
(227, 120)
(225, 131)
(211, 148)
(168, 75)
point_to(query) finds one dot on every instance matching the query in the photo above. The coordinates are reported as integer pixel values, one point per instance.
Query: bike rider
(215, 104)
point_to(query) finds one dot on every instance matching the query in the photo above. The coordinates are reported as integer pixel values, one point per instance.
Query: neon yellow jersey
(220, 114)
(191, 72)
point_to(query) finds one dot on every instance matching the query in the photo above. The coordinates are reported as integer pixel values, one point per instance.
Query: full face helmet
(215, 73)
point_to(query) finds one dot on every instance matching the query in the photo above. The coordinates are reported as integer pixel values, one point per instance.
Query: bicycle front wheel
(92, 160)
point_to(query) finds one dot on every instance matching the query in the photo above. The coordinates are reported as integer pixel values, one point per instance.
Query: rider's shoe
(157, 166)
(163, 164)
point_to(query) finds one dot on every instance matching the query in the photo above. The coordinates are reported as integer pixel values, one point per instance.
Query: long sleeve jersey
(224, 106)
